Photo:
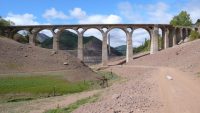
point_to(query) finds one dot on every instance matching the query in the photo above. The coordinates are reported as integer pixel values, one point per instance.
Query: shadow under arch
(117, 44)
(68, 40)
(21, 36)
(92, 46)
(44, 38)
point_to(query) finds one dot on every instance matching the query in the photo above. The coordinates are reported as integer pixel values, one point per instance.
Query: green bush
(194, 35)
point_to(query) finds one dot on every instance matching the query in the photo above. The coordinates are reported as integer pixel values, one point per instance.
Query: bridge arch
(92, 45)
(117, 43)
(141, 37)
(44, 38)
(21, 36)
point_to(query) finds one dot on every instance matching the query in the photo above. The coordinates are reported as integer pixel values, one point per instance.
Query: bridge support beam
(154, 40)
(56, 40)
(32, 37)
(174, 36)
(166, 39)
(104, 49)
(199, 29)
(163, 39)
(129, 48)
(80, 46)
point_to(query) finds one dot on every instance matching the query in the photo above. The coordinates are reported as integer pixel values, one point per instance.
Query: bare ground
(146, 88)
(24, 58)
(149, 89)
(42, 105)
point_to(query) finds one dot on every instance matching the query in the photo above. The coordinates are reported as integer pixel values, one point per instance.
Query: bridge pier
(104, 48)
(129, 48)
(56, 40)
(199, 29)
(154, 39)
(174, 37)
(80, 45)
(166, 39)
(32, 37)
(163, 39)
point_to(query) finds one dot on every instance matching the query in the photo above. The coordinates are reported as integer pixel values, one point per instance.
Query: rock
(65, 63)
(169, 77)
(25, 55)
(186, 39)
(53, 53)
(180, 42)
(116, 96)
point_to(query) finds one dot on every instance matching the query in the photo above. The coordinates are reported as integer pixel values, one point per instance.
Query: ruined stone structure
(171, 35)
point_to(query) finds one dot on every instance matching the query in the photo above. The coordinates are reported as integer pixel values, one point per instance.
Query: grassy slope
(17, 87)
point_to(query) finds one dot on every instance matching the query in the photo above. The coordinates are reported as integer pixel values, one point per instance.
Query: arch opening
(117, 44)
(92, 46)
(68, 41)
(141, 41)
(21, 36)
(44, 39)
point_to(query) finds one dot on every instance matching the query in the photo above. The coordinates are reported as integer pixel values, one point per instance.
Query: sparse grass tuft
(75, 105)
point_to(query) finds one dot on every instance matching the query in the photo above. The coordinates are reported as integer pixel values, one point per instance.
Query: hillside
(16, 57)
(185, 56)
(69, 40)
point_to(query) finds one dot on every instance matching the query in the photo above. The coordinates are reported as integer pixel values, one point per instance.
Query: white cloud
(101, 19)
(158, 13)
(54, 14)
(77, 13)
(127, 10)
(193, 9)
(22, 19)
(93, 32)
(139, 36)
(47, 32)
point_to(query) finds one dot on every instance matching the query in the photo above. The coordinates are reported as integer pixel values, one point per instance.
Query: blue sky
(32, 12)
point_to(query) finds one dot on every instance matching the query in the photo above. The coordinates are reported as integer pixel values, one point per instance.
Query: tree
(4, 22)
(198, 22)
(182, 19)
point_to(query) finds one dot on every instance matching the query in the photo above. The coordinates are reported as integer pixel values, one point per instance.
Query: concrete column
(174, 36)
(129, 48)
(80, 45)
(56, 40)
(32, 38)
(199, 29)
(109, 51)
(163, 39)
(104, 49)
(181, 34)
(154, 40)
(166, 39)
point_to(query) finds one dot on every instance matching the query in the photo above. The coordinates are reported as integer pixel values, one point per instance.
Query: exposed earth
(166, 82)
(22, 58)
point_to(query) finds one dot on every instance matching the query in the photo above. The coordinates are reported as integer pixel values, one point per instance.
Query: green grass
(108, 74)
(75, 105)
(13, 88)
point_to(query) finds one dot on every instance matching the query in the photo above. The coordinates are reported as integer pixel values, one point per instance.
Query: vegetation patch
(194, 35)
(19, 88)
(75, 105)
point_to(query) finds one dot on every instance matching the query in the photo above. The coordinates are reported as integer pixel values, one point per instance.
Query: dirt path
(180, 95)
(147, 90)
(41, 105)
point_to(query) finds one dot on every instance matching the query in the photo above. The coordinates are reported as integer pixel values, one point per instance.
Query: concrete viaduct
(171, 35)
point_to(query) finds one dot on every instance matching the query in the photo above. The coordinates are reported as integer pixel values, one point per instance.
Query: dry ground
(22, 58)
(148, 88)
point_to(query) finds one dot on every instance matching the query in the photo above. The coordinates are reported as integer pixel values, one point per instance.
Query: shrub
(194, 35)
